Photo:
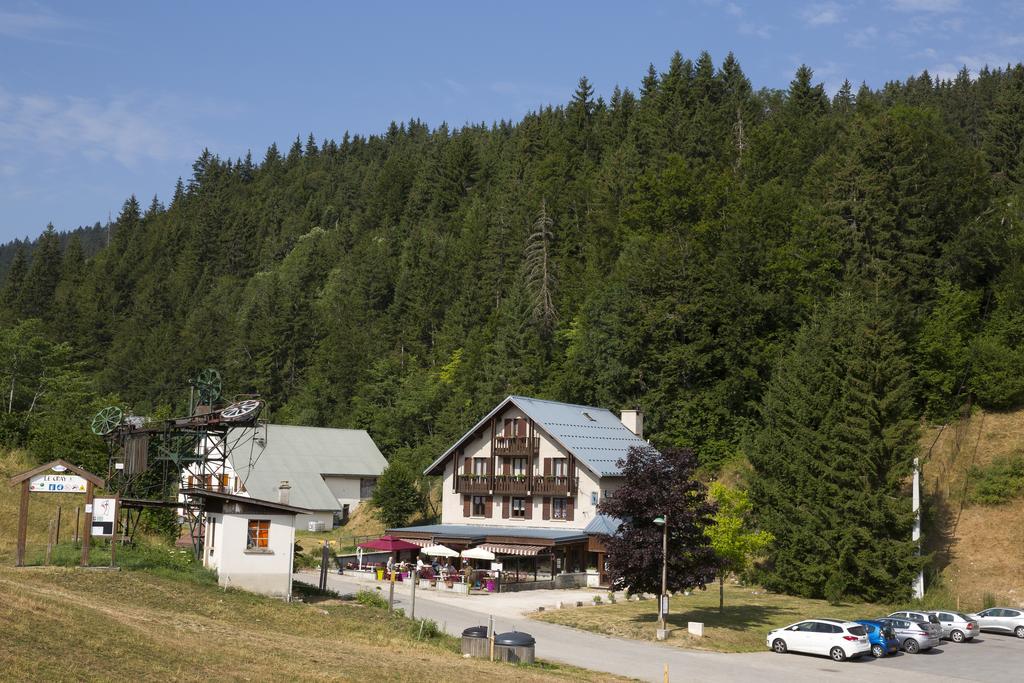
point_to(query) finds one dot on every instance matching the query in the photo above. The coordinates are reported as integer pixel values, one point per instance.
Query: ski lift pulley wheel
(241, 410)
(209, 384)
(107, 420)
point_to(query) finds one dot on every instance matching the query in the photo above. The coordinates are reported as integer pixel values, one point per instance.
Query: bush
(426, 629)
(371, 599)
(989, 600)
(999, 482)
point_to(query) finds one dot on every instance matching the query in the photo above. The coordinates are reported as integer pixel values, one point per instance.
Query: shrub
(371, 599)
(426, 629)
(999, 482)
(989, 600)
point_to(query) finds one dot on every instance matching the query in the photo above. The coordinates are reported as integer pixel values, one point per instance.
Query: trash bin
(514, 646)
(474, 641)
(380, 574)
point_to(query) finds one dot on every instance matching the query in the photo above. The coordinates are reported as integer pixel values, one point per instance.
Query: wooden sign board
(57, 483)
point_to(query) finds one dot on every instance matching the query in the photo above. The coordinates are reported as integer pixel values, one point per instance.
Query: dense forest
(774, 276)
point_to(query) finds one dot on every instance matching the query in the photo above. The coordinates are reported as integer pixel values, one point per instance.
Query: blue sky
(99, 100)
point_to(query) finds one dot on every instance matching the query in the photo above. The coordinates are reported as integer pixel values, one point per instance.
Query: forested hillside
(776, 275)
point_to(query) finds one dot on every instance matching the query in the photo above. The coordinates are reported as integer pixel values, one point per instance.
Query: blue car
(881, 636)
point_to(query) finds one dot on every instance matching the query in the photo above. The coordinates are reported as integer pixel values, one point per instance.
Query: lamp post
(662, 521)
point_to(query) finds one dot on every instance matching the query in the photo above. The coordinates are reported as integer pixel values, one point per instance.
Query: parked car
(934, 627)
(838, 639)
(881, 637)
(1001, 620)
(956, 626)
(913, 636)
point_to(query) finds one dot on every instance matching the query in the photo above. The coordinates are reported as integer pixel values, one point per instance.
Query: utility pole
(916, 536)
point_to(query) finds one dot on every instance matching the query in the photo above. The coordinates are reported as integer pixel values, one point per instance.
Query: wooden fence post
(22, 524)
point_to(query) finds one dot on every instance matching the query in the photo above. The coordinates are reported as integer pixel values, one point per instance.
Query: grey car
(1002, 620)
(913, 636)
(932, 621)
(956, 626)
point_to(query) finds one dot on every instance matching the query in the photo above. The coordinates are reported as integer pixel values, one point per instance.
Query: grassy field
(749, 614)
(161, 624)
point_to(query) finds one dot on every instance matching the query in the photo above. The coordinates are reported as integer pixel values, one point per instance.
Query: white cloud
(974, 63)
(862, 37)
(822, 14)
(126, 129)
(937, 6)
(734, 9)
(758, 30)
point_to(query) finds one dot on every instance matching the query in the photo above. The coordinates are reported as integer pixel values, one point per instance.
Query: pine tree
(36, 296)
(540, 271)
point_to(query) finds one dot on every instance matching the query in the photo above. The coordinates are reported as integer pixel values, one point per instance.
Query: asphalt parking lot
(989, 657)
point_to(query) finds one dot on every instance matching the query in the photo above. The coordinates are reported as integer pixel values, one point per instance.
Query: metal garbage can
(474, 641)
(514, 646)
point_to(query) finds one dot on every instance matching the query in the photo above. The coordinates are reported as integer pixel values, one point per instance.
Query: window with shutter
(546, 508)
(466, 503)
(258, 536)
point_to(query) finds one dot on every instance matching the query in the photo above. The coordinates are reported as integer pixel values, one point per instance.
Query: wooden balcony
(511, 484)
(555, 486)
(471, 483)
(516, 445)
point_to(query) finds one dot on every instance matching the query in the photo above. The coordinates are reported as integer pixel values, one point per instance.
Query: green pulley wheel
(107, 420)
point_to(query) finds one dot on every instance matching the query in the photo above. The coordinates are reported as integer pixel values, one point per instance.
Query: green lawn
(749, 614)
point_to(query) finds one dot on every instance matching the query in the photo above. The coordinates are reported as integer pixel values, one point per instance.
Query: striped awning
(509, 549)
(421, 542)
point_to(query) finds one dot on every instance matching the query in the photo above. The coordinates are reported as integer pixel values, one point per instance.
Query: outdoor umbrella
(478, 554)
(389, 544)
(440, 551)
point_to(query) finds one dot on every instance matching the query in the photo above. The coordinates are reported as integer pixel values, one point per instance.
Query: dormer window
(589, 416)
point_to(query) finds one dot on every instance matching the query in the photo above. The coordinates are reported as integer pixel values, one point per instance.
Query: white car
(1001, 620)
(835, 638)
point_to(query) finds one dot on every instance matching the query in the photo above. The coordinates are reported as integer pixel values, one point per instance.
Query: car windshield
(856, 630)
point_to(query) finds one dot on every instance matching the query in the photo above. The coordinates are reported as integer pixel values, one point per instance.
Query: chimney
(282, 492)
(634, 421)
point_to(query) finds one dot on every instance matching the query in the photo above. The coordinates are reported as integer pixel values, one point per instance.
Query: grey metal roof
(480, 532)
(595, 436)
(603, 524)
(303, 456)
(255, 502)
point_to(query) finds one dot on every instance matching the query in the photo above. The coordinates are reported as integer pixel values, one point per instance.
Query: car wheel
(957, 636)
(1019, 631)
(911, 646)
(837, 654)
(779, 645)
(877, 651)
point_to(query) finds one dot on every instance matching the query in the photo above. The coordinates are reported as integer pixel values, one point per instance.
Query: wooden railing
(516, 445)
(473, 483)
(555, 486)
(509, 483)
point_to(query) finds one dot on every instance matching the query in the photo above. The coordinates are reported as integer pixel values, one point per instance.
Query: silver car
(932, 621)
(956, 626)
(1002, 620)
(913, 636)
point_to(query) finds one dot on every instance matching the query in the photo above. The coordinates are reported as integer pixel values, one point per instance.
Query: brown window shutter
(506, 468)
(467, 466)
(191, 481)
(528, 503)
(570, 508)
(507, 428)
(489, 506)
(547, 467)
(506, 503)
(521, 427)
(467, 502)
(547, 507)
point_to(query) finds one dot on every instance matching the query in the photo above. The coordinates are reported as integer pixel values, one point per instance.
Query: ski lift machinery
(150, 459)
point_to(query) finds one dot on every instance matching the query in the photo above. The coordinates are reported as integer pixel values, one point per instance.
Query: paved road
(991, 657)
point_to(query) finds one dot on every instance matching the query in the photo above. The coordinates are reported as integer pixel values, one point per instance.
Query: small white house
(250, 543)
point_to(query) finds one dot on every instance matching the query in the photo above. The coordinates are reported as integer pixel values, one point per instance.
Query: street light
(662, 521)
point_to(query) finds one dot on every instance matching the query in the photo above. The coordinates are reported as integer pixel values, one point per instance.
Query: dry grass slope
(979, 548)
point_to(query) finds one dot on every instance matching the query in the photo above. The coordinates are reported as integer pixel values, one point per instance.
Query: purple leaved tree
(660, 485)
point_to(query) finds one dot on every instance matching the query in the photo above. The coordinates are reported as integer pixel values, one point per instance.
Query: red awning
(509, 549)
(389, 544)
(421, 542)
